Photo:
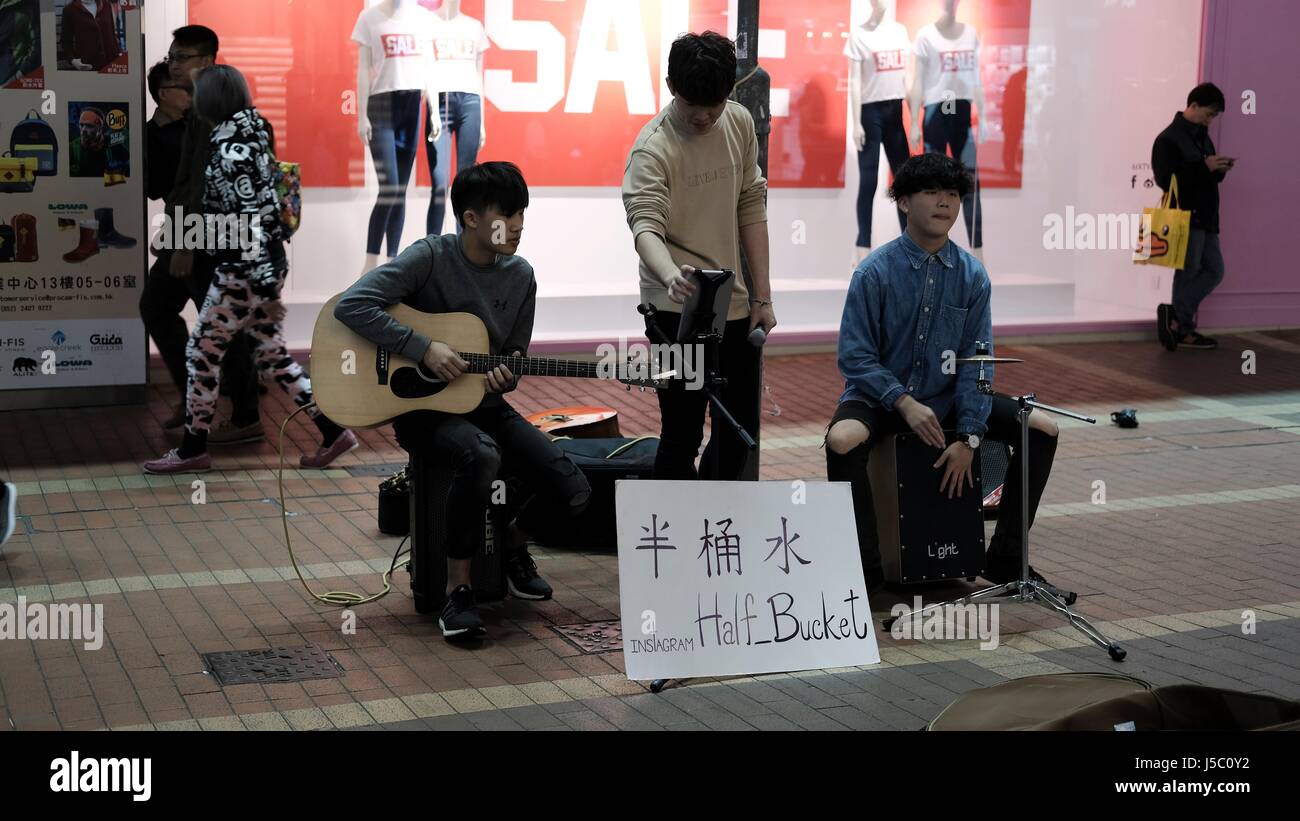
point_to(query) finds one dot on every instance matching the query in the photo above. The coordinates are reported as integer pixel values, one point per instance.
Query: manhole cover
(386, 469)
(594, 636)
(274, 665)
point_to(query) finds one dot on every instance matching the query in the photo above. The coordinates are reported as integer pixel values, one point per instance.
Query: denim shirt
(905, 308)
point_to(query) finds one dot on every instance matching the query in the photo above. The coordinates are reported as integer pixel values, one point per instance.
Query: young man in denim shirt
(914, 301)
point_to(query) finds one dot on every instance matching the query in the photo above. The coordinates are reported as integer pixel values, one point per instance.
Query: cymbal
(974, 360)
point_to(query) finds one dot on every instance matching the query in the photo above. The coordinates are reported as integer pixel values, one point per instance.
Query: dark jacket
(162, 156)
(187, 187)
(89, 39)
(1181, 150)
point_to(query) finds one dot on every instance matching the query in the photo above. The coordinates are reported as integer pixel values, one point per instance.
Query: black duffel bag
(603, 462)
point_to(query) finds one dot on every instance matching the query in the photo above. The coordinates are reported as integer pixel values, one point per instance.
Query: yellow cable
(337, 598)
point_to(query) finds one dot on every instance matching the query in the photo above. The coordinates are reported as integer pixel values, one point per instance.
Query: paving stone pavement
(1199, 532)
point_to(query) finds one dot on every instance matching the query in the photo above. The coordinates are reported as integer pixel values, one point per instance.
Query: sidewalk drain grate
(593, 637)
(272, 666)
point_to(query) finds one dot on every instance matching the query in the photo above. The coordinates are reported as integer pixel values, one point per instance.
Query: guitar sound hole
(409, 383)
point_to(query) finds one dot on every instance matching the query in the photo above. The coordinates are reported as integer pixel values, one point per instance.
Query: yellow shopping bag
(1163, 233)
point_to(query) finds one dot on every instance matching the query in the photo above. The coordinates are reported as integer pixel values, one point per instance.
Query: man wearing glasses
(182, 274)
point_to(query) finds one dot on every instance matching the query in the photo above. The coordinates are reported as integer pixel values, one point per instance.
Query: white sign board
(736, 578)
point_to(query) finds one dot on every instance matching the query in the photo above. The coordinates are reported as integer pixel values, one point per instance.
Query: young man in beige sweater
(695, 197)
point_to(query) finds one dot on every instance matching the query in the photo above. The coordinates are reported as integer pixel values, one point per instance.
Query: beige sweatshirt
(696, 192)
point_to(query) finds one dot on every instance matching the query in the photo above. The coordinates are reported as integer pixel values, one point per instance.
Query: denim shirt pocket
(949, 329)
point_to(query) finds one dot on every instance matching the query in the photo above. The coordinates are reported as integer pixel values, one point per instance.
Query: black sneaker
(1195, 340)
(8, 512)
(1001, 571)
(460, 618)
(1163, 313)
(523, 579)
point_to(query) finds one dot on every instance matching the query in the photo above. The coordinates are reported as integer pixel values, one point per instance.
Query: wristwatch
(972, 441)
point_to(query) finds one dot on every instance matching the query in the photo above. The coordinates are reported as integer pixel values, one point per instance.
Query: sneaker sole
(176, 472)
(514, 591)
(463, 633)
(11, 512)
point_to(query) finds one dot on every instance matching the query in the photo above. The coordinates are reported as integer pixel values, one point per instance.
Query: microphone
(757, 337)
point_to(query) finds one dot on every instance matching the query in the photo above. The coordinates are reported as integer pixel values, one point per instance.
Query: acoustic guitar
(360, 385)
(584, 422)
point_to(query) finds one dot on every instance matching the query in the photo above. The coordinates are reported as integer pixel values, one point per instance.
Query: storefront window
(1053, 103)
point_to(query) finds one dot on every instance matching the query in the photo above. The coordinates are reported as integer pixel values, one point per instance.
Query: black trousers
(490, 442)
(953, 129)
(681, 410)
(883, 123)
(161, 303)
(1003, 425)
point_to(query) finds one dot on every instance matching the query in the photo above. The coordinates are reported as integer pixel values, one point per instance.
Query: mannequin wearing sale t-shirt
(393, 75)
(947, 82)
(877, 53)
(458, 45)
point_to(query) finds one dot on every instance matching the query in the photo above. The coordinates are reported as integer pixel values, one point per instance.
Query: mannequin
(393, 74)
(877, 52)
(946, 82)
(458, 45)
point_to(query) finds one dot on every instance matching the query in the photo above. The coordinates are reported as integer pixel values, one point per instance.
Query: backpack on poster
(33, 137)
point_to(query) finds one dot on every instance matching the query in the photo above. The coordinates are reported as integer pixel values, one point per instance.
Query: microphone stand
(1026, 589)
(711, 343)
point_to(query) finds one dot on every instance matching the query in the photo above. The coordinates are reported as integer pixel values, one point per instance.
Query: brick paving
(1201, 523)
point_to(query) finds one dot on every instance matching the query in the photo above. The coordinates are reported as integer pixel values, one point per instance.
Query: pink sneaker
(171, 462)
(324, 455)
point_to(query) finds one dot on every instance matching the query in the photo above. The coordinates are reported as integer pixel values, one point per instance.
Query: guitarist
(477, 272)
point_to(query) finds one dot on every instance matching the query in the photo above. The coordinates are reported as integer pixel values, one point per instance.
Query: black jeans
(954, 130)
(883, 123)
(490, 442)
(161, 303)
(1003, 426)
(681, 410)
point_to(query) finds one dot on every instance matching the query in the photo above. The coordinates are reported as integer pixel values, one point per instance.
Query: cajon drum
(924, 535)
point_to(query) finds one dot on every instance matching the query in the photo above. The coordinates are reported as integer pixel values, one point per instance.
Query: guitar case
(603, 462)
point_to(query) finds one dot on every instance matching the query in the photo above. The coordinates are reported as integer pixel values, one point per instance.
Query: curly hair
(930, 171)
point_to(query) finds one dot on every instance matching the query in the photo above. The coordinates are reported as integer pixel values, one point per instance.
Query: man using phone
(695, 197)
(914, 306)
(1184, 150)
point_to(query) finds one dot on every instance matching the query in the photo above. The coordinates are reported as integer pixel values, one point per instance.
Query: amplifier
(430, 489)
(924, 535)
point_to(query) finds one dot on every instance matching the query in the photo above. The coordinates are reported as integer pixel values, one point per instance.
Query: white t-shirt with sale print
(881, 57)
(400, 52)
(457, 44)
(949, 68)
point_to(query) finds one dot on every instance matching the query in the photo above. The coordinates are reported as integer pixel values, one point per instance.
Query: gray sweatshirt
(433, 276)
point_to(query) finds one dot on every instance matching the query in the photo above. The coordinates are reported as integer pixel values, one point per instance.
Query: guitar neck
(530, 365)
